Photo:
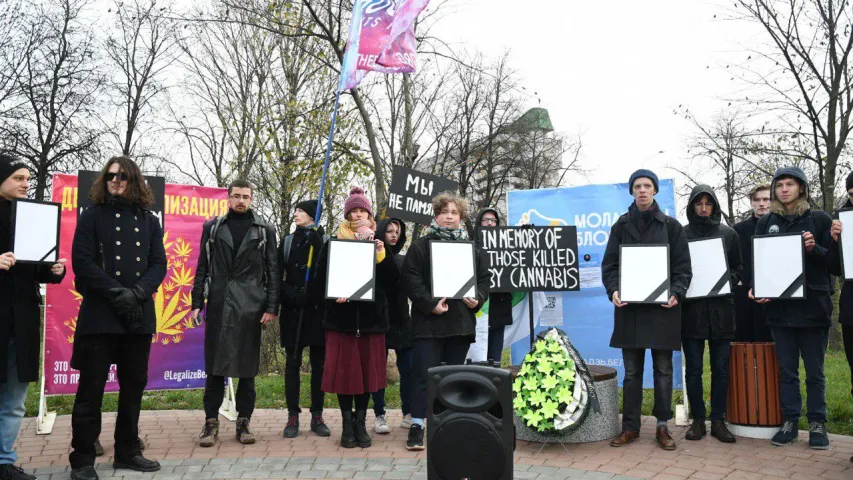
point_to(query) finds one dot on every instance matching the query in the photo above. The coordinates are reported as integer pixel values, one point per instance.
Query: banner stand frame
(229, 405)
(45, 419)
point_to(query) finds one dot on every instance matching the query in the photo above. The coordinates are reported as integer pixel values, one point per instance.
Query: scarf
(350, 230)
(643, 218)
(443, 233)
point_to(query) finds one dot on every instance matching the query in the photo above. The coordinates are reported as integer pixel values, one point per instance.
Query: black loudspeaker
(470, 434)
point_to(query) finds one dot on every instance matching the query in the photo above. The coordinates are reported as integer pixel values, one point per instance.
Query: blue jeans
(694, 353)
(12, 396)
(404, 365)
(791, 344)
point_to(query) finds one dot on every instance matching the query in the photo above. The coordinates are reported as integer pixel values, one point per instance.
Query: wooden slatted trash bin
(753, 408)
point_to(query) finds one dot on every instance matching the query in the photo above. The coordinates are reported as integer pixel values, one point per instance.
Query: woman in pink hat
(355, 331)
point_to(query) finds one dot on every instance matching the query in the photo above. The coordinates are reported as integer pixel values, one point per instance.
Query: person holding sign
(638, 327)
(355, 330)
(119, 262)
(237, 274)
(20, 343)
(443, 329)
(300, 314)
(710, 319)
(800, 327)
(751, 323)
(500, 304)
(399, 336)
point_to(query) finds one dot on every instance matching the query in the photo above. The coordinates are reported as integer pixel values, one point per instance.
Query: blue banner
(587, 315)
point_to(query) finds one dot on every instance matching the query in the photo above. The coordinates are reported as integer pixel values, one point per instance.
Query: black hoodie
(399, 335)
(711, 318)
(500, 304)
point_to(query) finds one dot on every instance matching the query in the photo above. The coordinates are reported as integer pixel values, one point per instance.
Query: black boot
(99, 449)
(696, 430)
(362, 438)
(11, 472)
(84, 473)
(136, 462)
(291, 430)
(347, 433)
(720, 430)
(318, 426)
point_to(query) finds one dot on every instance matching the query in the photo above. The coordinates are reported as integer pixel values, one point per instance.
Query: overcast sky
(613, 70)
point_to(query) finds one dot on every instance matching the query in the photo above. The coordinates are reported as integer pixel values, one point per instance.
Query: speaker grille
(438, 407)
(496, 411)
(484, 458)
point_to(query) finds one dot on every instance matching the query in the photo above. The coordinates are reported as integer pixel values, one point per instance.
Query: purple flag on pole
(400, 51)
(350, 74)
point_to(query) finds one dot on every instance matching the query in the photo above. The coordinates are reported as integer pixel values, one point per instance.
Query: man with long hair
(20, 335)
(119, 262)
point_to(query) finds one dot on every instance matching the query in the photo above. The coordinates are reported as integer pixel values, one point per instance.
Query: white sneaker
(407, 421)
(380, 425)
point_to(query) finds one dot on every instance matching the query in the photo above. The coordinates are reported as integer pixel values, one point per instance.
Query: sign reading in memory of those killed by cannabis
(523, 259)
(411, 194)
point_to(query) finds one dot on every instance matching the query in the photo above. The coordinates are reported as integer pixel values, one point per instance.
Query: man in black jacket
(709, 319)
(238, 275)
(20, 340)
(751, 324)
(500, 304)
(642, 326)
(119, 262)
(800, 327)
(298, 312)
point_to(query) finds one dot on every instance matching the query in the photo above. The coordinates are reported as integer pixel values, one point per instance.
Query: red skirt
(354, 365)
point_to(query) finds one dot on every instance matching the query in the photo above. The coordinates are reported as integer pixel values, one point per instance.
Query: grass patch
(270, 394)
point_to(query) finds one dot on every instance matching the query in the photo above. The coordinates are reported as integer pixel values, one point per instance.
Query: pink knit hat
(357, 199)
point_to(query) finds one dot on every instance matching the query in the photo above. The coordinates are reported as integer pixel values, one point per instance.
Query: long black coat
(356, 317)
(459, 320)
(399, 335)
(240, 291)
(816, 309)
(845, 301)
(642, 325)
(116, 245)
(20, 301)
(292, 287)
(751, 321)
(711, 318)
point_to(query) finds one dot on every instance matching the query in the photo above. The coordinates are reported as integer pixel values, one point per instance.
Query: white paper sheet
(642, 269)
(452, 269)
(847, 242)
(778, 262)
(708, 261)
(36, 232)
(351, 267)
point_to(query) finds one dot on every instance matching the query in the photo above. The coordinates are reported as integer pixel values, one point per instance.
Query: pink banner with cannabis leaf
(177, 350)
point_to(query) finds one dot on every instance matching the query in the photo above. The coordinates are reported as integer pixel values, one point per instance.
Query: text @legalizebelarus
(532, 258)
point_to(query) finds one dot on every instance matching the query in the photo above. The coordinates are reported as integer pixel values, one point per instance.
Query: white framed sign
(778, 266)
(35, 231)
(352, 270)
(644, 273)
(711, 277)
(452, 270)
(846, 243)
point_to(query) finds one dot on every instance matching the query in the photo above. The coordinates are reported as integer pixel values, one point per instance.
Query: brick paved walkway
(171, 438)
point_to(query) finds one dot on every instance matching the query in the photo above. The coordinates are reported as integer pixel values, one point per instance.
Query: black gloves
(127, 302)
(315, 239)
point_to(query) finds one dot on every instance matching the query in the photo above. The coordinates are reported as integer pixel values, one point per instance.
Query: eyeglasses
(240, 197)
(490, 221)
(115, 176)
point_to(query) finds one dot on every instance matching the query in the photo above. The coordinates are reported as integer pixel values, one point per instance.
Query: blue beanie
(790, 172)
(643, 173)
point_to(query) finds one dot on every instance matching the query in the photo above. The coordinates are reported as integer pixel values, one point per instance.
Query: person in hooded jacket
(20, 342)
(642, 326)
(709, 319)
(800, 327)
(355, 331)
(500, 304)
(751, 324)
(443, 330)
(298, 312)
(399, 336)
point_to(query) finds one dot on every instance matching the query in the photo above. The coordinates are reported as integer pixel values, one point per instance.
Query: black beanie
(849, 181)
(308, 206)
(9, 165)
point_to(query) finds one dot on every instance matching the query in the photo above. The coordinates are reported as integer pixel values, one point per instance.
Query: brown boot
(664, 439)
(244, 436)
(624, 438)
(209, 434)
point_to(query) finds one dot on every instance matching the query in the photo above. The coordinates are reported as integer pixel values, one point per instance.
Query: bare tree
(806, 75)
(12, 37)
(142, 49)
(55, 93)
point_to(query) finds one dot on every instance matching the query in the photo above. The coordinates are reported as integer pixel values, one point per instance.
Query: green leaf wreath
(545, 385)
